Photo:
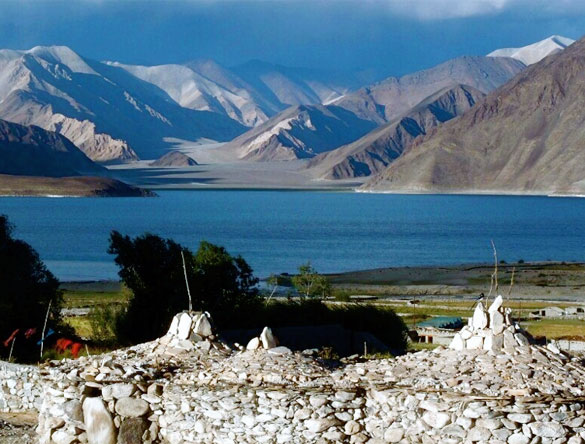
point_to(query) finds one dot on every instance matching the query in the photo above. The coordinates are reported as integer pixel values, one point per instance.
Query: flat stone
(497, 322)
(393, 435)
(98, 422)
(457, 343)
(495, 306)
(478, 434)
(436, 420)
(281, 350)
(475, 343)
(520, 418)
(518, 438)
(352, 427)
(73, 410)
(548, 430)
(174, 326)
(267, 338)
(184, 328)
(131, 431)
(131, 407)
(203, 326)
(521, 340)
(480, 319)
(254, 344)
(319, 425)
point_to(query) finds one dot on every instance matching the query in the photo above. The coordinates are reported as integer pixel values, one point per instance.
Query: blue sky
(393, 36)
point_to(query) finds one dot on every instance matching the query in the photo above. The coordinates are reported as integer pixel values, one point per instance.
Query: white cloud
(445, 9)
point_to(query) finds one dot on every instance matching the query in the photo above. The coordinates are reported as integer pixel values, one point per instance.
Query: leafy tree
(152, 268)
(309, 283)
(27, 289)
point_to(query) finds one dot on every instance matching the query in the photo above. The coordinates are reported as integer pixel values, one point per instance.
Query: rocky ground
(17, 428)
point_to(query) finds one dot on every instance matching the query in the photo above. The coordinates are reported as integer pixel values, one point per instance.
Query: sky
(390, 36)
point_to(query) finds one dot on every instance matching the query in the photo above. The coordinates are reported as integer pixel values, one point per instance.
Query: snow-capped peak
(537, 51)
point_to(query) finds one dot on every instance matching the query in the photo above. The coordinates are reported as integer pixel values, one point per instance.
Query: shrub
(27, 289)
(103, 320)
(152, 268)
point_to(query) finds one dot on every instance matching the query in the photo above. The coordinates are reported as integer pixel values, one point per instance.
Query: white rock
(281, 350)
(497, 322)
(475, 343)
(480, 319)
(436, 420)
(457, 343)
(496, 304)
(174, 325)
(521, 339)
(268, 339)
(254, 344)
(466, 332)
(518, 438)
(98, 422)
(184, 328)
(203, 326)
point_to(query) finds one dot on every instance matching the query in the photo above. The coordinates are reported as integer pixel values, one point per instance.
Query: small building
(558, 313)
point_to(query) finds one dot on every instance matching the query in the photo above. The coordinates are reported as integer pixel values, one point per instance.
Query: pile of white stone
(490, 330)
(176, 390)
(19, 388)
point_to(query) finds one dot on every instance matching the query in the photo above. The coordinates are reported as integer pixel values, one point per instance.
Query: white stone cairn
(490, 330)
(185, 391)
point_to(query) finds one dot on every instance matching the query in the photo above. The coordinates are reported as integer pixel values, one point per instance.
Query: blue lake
(276, 231)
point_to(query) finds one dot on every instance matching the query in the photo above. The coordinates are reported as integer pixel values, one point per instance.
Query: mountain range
(526, 137)
(373, 152)
(344, 125)
(110, 115)
(306, 131)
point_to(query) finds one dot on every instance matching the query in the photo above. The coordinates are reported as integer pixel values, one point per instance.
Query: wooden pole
(187, 282)
(45, 328)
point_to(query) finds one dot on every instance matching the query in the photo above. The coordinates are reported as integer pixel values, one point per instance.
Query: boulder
(203, 326)
(131, 407)
(254, 344)
(98, 422)
(131, 431)
(480, 319)
(268, 339)
(184, 328)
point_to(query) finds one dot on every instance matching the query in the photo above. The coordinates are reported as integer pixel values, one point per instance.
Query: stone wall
(20, 390)
(188, 387)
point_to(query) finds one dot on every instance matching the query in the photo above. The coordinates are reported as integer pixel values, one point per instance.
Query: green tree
(152, 268)
(309, 283)
(27, 289)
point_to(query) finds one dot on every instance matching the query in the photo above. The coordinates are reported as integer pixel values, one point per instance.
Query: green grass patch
(84, 298)
(556, 328)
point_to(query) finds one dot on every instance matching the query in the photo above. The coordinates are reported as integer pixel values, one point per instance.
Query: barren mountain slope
(299, 132)
(108, 113)
(389, 99)
(528, 136)
(33, 151)
(174, 159)
(377, 149)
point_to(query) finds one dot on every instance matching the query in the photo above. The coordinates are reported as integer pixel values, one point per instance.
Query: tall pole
(187, 282)
(45, 327)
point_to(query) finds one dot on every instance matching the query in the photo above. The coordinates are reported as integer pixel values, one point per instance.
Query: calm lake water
(275, 231)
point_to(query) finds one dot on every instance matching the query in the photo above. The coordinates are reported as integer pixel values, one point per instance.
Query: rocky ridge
(189, 387)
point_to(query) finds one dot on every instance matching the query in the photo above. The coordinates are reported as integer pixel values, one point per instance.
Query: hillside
(30, 150)
(111, 115)
(526, 137)
(299, 132)
(377, 149)
(68, 186)
(174, 159)
(390, 98)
